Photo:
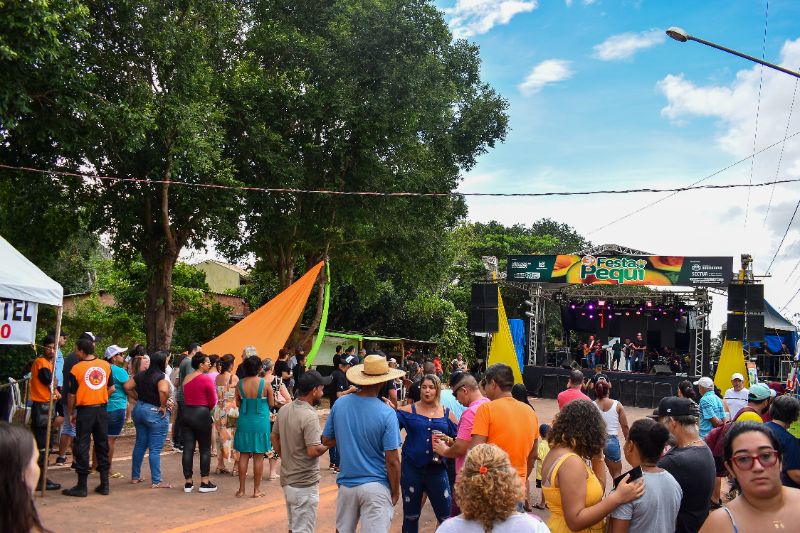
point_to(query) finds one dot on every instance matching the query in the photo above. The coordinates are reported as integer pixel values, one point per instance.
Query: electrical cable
(784, 236)
(673, 190)
(651, 204)
(758, 108)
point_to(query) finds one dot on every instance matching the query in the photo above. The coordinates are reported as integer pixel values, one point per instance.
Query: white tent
(22, 280)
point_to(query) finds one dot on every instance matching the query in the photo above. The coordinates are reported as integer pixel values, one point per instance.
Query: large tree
(355, 95)
(154, 71)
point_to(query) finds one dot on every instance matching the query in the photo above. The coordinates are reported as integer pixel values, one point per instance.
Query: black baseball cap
(310, 380)
(675, 406)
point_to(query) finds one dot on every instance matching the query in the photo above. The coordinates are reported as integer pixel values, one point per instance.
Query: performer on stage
(616, 350)
(627, 349)
(639, 349)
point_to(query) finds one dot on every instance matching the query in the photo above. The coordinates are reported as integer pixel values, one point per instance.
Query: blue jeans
(431, 480)
(334, 453)
(151, 432)
(591, 360)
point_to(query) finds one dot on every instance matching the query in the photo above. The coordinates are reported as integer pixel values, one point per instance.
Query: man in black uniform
(340, 387)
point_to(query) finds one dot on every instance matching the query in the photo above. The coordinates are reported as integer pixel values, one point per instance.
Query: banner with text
(621, 270)
(17, 321)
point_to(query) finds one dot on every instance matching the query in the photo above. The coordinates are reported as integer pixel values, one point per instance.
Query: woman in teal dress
(254, 398)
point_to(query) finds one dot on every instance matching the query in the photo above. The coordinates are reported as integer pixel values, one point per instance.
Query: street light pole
(680, 35)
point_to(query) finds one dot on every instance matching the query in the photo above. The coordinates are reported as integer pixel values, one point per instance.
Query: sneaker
(188, 487)
(207, 487)
(61, 460)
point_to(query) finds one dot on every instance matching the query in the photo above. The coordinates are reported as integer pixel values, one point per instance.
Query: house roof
(239, 270)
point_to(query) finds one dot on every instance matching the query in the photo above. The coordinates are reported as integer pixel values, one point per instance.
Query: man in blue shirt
(784, 411)
(712, 410)
(366, 432)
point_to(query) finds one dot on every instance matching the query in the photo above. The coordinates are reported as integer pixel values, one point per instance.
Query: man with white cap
(712, 410)
(736, 397)
(367, 434)
(117, 401)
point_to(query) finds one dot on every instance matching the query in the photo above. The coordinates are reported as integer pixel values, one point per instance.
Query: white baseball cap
(737, 375)
(113, 350)
(705, 382)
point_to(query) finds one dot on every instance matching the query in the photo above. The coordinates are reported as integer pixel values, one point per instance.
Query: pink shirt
(564, 397)
(465, 424)
(200, 391)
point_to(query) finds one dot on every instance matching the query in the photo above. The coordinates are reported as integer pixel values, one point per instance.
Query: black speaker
(736, 327)
(755, 298)
(755, 328)
(484, 295)
(661, 370)
(736, 297)
(483, 320)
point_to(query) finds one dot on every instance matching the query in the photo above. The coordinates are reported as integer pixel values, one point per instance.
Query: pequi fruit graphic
(666, 262)
(563, 264)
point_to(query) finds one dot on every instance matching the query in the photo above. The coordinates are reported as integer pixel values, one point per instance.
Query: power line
(701, 180)
(790, 299)
(784, 235)
(783, 147)
(758, 108)
(330, 192)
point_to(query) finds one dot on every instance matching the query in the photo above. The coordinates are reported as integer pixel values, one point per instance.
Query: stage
(631, 389)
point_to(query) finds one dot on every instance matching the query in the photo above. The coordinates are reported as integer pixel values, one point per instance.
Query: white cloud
(625, 45)
(584, 2)
(545, 73)
(474, 17)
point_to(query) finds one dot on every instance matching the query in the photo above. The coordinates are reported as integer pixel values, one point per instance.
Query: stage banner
(621, 270)
(17, 321)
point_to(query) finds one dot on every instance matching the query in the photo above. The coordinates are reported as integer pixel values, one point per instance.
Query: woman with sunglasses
(753, 458)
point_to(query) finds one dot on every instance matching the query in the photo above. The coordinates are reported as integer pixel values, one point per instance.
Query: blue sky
(601, 98)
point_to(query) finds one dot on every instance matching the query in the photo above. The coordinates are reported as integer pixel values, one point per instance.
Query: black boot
(48, 485)
(102, 488)
(78, 490)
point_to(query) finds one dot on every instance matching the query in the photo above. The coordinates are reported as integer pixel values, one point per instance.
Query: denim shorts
(67, 428)
(116, 419)
(612, 450)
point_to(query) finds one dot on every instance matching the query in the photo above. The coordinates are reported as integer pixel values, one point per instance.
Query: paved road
(133, 508)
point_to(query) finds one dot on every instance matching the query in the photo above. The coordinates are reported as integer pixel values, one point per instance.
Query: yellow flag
(731, 360)
(502, 349)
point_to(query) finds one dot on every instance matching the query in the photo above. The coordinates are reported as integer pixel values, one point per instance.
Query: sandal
(161, 485)
(137, 481)
(273, 477)
(117, 475)
(222, 470)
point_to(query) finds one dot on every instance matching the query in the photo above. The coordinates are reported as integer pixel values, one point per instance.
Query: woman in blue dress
(254, 399)
(422, 471)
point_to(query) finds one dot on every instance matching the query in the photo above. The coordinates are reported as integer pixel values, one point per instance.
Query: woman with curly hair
(572, 490)
(18, 479)
(487, 491)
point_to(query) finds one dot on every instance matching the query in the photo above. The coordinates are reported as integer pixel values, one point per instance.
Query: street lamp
(680, 35)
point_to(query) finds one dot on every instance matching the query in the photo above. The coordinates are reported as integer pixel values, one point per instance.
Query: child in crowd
(542, 449)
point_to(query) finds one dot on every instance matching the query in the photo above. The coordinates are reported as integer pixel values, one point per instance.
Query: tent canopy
(268, 328)
(22, 280)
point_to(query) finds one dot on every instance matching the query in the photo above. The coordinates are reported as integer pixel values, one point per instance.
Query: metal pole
(536, 305)
(744, 56)
(531, 326)
(50, 403)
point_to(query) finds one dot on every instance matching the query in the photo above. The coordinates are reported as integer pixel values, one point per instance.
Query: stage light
(529, 303)
(682, 310)
(610, 316)
(573, 306)
(649, 303)
(664, 313)
(601, 303)
(638, 312)
(627, 313)
(655, 318)
(583, 313)
(590, 306)
(676, 319)
(528, 313)
(591, 316)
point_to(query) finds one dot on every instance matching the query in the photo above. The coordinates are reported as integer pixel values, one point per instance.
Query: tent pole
(50, 403)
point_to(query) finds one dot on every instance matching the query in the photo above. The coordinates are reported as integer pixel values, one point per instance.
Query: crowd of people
(472, 448)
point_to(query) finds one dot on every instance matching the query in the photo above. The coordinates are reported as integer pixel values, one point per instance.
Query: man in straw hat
(366, 432)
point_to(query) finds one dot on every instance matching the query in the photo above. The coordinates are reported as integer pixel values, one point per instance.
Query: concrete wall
(219, 278)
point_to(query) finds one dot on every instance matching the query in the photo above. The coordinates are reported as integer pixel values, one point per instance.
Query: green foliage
(438, 320)
(200, 323)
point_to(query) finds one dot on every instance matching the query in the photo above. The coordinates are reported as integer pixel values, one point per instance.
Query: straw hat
(374, 370)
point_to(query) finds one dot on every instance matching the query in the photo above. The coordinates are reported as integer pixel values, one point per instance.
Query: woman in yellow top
(572, 490)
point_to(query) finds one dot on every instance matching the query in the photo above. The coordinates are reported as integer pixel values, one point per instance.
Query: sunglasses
(767, 458)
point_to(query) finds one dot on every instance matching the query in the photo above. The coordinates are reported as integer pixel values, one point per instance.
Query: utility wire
(701, 180)
(142, 181)
(783, 147)
(784, 235)
(758, 108)
(790, 300)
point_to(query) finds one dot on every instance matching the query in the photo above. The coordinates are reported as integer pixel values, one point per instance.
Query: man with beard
(296, 436)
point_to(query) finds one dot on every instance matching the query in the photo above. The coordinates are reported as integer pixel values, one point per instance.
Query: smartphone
(636, 473)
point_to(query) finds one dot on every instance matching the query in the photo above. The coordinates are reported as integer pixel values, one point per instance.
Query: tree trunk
(318, 313)
(159, 308)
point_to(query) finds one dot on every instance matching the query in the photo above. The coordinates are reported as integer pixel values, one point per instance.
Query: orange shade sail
(268, 328)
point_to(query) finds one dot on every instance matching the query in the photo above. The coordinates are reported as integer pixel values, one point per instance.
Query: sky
(600, 98)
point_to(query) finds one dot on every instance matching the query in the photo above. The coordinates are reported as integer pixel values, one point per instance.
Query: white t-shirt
(735, 400)
(516, 523)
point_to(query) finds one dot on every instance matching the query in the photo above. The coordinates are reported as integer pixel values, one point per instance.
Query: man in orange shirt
(90, 385)
(41, 378)
(506, 422)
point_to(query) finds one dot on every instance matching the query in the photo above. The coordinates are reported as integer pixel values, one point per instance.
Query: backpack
(716, 437)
